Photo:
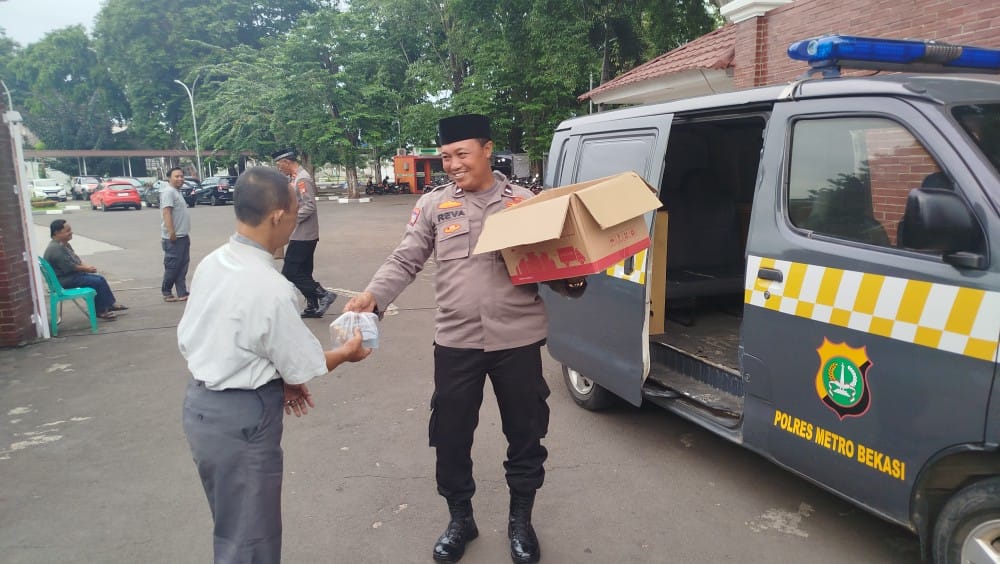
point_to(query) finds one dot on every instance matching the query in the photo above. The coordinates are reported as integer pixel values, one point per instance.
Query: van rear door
(604, 335)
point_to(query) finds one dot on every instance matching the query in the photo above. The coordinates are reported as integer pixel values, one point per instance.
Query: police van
(823, 283)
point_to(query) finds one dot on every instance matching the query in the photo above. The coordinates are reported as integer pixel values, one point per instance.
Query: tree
(148, 45)
(68, 98)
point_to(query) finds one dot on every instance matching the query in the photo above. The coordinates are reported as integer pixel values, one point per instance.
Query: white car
(49, 189)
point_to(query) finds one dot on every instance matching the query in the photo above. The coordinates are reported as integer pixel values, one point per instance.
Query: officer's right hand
(363, 302)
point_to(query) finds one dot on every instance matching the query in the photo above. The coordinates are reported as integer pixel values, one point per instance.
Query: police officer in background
(298, 267)
(485, 326)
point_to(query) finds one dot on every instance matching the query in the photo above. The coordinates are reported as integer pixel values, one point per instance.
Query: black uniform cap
(460, 128)
(286, 153)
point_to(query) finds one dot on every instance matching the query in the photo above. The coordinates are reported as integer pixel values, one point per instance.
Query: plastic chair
(58, 294)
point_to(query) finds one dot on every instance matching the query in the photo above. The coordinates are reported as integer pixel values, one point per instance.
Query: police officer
(298, 267)
(485, 326)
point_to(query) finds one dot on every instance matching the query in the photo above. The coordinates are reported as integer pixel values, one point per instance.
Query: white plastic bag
(342, 329)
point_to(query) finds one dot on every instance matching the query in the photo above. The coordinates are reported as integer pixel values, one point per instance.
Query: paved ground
(95, 467)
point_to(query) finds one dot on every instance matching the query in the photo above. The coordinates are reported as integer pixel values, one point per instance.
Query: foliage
(344, 82)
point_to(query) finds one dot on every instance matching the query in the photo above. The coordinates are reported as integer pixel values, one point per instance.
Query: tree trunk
(352, 181)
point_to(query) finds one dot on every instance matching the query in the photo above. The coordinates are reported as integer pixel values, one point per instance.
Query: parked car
(152, 195)
(49, 189)
(140, 186)
(115, 194)
(81, 187)
(216, 190)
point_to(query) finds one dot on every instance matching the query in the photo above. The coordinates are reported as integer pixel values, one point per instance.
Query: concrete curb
(353, 200)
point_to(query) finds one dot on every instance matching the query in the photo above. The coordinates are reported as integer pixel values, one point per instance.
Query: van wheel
(968, 528)
(586, 393)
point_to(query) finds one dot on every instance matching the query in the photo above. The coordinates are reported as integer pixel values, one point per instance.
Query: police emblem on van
(842, 379)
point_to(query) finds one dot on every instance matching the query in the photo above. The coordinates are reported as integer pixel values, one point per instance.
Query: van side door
(863, 358)
(604, 334)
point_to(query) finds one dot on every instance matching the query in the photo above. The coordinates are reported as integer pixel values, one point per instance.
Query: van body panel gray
(921, 399)
(919, 384)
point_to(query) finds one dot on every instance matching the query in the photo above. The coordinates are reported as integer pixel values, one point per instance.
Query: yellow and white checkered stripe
(638, 272)
(949, 318)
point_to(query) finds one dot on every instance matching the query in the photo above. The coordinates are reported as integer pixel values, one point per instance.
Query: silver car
(48, 188)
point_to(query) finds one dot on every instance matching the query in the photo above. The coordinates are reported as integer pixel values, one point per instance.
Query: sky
(27, 21)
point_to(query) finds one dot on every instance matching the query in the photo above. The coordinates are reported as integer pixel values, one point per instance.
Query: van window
(849, 177)
(606, 155)
(982, 123)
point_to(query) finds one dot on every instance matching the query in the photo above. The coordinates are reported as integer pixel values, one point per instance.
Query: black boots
(461, 529)
(523, 542)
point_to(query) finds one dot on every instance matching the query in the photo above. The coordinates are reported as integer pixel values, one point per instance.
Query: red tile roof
(713, 50)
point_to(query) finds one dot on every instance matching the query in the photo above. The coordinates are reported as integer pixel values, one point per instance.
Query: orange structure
(415, 171)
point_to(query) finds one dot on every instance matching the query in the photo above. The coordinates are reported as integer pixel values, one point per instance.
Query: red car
(115, 194)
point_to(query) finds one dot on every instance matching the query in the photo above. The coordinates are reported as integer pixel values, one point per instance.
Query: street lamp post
(194, 120)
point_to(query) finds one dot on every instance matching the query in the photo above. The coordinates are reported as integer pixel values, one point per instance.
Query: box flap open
(617, 199)
(523, 225)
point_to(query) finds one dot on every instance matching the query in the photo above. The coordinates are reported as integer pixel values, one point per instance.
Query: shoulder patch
(302, 186)
(514, 202)
(449, 204)
(414, 216)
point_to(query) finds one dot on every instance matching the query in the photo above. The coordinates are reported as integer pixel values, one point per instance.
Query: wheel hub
(982, 545)
(580, 383)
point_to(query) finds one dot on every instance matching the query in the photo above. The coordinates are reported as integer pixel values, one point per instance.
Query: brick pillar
(16, 305)
(750, 62)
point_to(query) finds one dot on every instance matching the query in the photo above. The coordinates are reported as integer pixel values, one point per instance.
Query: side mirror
(937, 220)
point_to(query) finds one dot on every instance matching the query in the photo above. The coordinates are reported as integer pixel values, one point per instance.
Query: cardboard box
(571, 231)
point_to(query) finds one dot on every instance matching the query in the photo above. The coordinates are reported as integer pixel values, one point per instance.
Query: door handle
(772, 274)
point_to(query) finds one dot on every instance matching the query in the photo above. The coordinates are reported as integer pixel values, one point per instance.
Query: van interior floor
(700, 365)
(714, 336)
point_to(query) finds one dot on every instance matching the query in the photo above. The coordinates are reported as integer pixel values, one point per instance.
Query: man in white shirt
(250, 355)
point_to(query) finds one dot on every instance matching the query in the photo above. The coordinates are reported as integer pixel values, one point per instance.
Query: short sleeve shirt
(241, 327)
(171, 197)
(62, 259)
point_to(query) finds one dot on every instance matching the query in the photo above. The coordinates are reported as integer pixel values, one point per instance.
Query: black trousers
(298, 269)
(459, 378)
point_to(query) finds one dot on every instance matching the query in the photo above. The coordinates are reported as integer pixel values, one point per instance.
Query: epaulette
(443, 186)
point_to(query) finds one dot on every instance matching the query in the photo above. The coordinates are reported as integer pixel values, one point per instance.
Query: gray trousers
(235, 439)
(176, 258)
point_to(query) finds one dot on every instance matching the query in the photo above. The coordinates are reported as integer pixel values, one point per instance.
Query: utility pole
(194, 119)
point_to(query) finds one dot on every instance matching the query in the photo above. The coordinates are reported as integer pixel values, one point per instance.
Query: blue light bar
(831, 51)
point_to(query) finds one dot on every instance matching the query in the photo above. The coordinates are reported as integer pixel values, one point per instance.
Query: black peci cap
(286, 153)
(460, 128)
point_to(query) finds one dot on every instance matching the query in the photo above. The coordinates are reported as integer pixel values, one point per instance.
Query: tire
(585, 392)
(104, 207)
(92, 206)
(968, 528)
(214, 201)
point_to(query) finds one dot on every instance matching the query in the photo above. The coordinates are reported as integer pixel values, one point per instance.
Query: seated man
(72, 273)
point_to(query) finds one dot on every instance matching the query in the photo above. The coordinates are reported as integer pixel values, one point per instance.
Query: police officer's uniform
(298, 261)
(484, 325)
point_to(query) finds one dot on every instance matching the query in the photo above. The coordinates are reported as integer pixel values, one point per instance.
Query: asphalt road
(95, 467)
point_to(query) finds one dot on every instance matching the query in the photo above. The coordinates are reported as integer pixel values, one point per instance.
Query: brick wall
(16, 304)
(897, 163)
(975, 22)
